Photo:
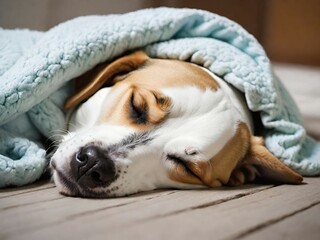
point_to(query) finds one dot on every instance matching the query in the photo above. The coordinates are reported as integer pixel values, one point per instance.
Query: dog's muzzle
(91, 167)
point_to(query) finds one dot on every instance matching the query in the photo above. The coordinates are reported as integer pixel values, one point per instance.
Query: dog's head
(151, 123)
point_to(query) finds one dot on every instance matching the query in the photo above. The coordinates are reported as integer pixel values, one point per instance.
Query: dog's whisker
(53, 137)
(58, 134)
(59, 131)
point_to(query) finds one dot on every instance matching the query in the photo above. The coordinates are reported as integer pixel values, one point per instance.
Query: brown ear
(103, 74)
(260, 163)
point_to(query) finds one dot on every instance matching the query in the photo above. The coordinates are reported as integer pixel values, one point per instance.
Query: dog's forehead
(154, 77)
(162, 73)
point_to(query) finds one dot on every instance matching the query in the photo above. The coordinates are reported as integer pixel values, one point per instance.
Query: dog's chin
(70, 188)
(65, 185)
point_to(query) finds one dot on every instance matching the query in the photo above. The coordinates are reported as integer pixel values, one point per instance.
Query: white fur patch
(87, 114)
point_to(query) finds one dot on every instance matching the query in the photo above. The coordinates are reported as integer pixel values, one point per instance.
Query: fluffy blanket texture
(35, 68)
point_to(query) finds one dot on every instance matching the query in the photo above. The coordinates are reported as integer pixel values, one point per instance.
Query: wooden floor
(251, 212)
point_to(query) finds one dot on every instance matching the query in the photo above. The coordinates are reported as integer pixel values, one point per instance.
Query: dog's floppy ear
(104, 74)
(260, 163)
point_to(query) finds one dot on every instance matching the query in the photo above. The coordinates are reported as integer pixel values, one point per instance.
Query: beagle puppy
(140, 124)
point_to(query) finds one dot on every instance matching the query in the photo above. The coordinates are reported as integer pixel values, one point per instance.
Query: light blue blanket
(35, 68)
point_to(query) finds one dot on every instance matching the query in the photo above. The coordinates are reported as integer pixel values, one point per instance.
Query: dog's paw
(191, 151)
(240, 176)
(237, 178)
(185, 149)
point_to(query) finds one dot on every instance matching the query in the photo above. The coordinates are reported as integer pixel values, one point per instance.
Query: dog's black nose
(93, 167)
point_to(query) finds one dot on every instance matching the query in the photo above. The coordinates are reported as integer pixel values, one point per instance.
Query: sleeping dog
(140, 124)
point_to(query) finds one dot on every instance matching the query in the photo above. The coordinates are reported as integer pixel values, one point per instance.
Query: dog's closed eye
(148, 107)
(138, 109)
(163, 102)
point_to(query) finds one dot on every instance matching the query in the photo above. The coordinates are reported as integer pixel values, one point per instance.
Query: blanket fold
(35, 69)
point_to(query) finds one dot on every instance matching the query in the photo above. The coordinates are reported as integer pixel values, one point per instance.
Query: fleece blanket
(36, 69)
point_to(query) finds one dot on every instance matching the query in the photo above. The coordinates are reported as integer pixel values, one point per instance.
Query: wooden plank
(37, 186)
(188, 217)
(228, 220)
(28, 217)
(83, 214)
(302, 225)
(29, 198)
